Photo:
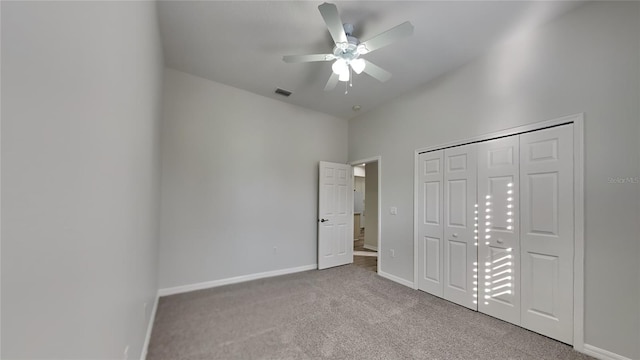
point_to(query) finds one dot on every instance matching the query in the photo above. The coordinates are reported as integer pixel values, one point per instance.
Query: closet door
(460, 252)
(430, 222)
(547, 246)
(498, 229)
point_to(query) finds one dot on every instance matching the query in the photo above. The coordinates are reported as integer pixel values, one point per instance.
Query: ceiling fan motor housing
(350, 51)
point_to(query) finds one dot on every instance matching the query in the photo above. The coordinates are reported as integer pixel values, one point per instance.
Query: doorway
(366, 213)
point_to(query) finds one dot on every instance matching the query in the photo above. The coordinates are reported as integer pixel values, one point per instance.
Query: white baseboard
(394, 278)
(601, 353)
(370, 247)
(232, 280)
(152, 318)
(365, 253)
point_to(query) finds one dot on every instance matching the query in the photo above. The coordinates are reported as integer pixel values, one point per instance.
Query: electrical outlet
(125, 356)
(393, 210)
(393, 253)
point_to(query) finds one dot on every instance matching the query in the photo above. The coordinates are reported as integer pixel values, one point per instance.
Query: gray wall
(371, 206)
(80, 116)
(239, 177)
(586, 61)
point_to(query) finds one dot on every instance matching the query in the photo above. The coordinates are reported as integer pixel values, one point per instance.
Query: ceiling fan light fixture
(340, 67)
(344, 76)
(358, 65)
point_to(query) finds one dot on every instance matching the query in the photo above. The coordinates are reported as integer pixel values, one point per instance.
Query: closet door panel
(460, 253)
(430, 222)
(498, 229)
(546, 173)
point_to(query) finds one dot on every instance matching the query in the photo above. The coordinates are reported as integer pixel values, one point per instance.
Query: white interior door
(547, 246)
(335, 215)
(430, 223)
(460, 251)
(498, 229)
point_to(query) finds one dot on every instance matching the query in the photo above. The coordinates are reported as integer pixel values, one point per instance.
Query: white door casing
(498, 229)
(547, 241)
(460, 251)
(335, 215)
(430, 222)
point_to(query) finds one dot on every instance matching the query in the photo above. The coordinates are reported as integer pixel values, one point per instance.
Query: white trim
(379, 213)
(394, 278)
(377, 159)
(365, 253)
(506, 132)
(152, 319)
(578, 232)
(578, 262)
(601, 353)
(369, 247)
(416, 241)
(1, 194)
(232, 280)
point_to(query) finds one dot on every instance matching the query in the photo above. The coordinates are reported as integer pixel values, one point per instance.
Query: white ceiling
(241, 43)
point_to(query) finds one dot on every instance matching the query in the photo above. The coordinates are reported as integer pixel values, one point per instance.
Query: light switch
(394, 210)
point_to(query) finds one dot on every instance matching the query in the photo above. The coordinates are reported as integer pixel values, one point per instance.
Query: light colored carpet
(340, 313)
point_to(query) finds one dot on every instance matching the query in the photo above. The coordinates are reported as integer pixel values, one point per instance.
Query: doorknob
(499, 241)
(455, 235)
(323, 220)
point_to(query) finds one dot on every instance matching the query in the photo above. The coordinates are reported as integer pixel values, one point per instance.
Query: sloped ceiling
(241, 43)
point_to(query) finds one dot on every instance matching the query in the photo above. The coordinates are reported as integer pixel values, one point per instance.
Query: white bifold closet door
(447, 249)
(495, 228)
(547, 244)
(430, 222)
(460, 253)
(498, 229)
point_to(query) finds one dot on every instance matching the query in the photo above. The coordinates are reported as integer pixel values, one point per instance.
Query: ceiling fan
(348, 49)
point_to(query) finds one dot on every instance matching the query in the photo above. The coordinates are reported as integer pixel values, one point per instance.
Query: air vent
(283, 92)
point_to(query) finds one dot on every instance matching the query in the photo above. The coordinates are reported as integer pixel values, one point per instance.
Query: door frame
(578, 205)
(377, 159)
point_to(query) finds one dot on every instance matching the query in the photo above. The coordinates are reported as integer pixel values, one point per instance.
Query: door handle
(323, 220)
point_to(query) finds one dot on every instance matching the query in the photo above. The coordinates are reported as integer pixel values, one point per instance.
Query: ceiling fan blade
(377, 72)
(307, 58)
(401, 31)
(332, 82)
(330, 15)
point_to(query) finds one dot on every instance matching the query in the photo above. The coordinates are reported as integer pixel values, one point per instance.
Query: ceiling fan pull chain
(350, 77)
